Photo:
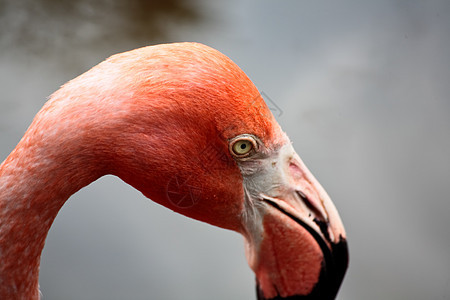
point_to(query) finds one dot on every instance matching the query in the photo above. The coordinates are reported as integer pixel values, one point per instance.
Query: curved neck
(63, 150)
(35, 181)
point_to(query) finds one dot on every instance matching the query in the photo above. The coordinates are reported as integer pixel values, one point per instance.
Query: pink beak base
(312, 268)
(302, 255)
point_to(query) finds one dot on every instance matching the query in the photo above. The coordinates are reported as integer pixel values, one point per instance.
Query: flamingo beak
(296, 243)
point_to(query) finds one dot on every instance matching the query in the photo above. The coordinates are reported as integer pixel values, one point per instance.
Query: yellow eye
(242, 146)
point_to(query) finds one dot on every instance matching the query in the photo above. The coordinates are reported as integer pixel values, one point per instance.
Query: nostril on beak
(318, 212)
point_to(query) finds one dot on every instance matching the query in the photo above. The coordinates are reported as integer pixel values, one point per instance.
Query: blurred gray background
(364, 89)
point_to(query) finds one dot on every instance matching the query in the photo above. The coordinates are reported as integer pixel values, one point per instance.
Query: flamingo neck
(36, 179)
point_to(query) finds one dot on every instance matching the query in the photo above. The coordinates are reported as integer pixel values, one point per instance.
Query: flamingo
(185, 126)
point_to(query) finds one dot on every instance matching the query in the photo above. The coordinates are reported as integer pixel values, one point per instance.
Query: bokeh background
(363, 87)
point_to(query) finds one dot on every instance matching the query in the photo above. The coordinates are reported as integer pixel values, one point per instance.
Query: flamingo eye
(242, 146)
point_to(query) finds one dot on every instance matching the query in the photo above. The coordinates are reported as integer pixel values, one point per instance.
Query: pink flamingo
(185, 126)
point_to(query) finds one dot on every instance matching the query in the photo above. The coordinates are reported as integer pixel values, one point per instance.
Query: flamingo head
(198, 138)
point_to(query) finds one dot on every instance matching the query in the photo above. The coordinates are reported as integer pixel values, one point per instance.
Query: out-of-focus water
(365, 97)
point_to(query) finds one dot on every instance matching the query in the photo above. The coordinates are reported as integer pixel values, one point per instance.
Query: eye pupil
(243, 146)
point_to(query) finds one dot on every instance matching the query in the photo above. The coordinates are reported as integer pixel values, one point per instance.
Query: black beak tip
(339, 251)
(331, 276)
